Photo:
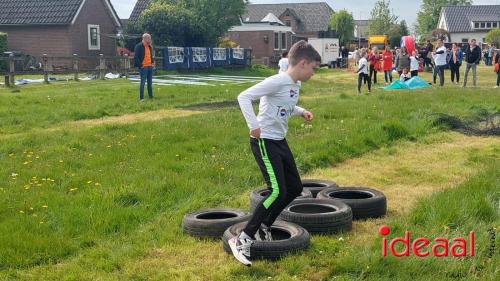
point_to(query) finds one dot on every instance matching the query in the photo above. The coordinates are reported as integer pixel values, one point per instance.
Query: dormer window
(486, 25)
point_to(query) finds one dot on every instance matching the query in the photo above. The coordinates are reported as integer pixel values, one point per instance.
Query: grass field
(94, 184)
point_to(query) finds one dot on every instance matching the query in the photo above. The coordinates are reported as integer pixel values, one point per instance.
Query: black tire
(211, 223)
(364, 202)
(287, 238)
(256, 196)
(319, 215)
(315, 185)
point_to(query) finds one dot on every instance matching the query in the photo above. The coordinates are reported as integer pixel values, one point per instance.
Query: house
(60, 27)
(464, 23)
(268, 38)
(307, 20)
(361, 33)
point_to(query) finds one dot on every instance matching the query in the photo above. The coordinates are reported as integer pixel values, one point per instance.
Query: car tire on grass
(316, 185)
(287, 238)
(319, 215)
(211, 223)
(364, 202)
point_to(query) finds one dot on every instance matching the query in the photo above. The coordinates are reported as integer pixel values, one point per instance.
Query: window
(219, 54)
(283, 41)
(94, 38)
(199, 54)
(465, 40)
(276, 41)
(476, 25)
(488, 25)
(288, 23)
(175, 54)
(483, 25)
(495, 24)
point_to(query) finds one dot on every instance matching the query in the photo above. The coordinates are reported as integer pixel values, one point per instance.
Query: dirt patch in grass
(211, 105)
(114, 120)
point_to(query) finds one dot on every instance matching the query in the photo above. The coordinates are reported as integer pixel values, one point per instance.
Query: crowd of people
(427, 57)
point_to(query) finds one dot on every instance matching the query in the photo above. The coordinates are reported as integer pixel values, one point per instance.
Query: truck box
(328, 48)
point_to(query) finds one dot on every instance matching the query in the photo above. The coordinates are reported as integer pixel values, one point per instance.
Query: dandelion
(41, 222)
(21, 212)
(14, 175)
(31, 208)
(108, 146)
(97, 184)
(222, 168)
(341, 238)
(73, 189)
(89, 182)
(60, 161)
(90, 154)
(45, 206)
(26, 163)
(11, 154)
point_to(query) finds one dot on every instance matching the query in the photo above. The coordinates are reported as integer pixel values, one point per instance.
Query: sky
(360, 9)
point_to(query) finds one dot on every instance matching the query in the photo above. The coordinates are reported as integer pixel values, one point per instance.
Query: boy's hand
(308, 116)
(255, 133)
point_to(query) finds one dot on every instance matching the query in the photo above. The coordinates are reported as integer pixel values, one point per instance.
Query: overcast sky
(406, 10)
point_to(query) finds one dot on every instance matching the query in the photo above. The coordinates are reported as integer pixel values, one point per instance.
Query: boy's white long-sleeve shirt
(278, 97)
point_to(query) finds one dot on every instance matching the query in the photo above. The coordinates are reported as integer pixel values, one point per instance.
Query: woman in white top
(283, 63)
(414, 64)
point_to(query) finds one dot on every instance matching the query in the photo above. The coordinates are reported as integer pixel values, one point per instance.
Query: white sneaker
(264, 233)
(240, 246)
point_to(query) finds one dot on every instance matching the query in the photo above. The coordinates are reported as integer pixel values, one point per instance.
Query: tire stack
(322, 208)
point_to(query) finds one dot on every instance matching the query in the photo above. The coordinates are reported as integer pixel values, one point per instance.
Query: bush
(3, 48)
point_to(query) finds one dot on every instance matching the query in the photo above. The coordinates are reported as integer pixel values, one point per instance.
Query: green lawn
(105, 202)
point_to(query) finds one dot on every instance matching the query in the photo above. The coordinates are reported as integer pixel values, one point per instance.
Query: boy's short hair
(284, 54)
(302, 51)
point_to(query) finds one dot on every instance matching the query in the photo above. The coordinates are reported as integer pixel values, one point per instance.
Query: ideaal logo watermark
(441, 247)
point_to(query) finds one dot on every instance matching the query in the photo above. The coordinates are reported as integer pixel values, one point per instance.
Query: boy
(278, 97)
(405, 76)
(414, 64)
(363, 71)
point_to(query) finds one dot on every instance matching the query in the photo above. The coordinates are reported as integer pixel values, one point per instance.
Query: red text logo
(422, 247)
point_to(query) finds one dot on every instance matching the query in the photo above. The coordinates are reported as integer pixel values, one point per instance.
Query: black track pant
(276, 162)
(366, 78)
(455, 72)
(373, 73)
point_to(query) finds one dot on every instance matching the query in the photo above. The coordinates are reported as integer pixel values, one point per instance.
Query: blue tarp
(238, 56)
(199, 58)
(176, 58)
(220, 56)
(414, 83)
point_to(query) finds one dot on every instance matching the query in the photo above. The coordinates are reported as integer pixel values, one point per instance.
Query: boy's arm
(266, 87)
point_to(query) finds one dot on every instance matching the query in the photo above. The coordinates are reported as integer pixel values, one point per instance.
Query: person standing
(278, 96)
(472, 58)
(374, 59)
(414, 64)
(363, 72)
(356, 56)
(402, 61)
(490, 54)
(387, 59)
(455, 61)
(496, 61)
(429, 48)
(440, 62)
(283, 63)
(144, 60)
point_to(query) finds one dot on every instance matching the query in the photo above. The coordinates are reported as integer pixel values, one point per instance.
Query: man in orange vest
(143, 59)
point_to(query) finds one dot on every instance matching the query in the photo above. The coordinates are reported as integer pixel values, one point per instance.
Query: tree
(381, 18)
(212, 18)
(343, 23)
(396, 32)
(493, 37)
(430, 11)
(171, 25)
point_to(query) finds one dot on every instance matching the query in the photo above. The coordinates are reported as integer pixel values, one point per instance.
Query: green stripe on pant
(272, 177)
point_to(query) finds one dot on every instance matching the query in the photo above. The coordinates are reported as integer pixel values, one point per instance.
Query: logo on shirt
(292, 93)
(284, 112)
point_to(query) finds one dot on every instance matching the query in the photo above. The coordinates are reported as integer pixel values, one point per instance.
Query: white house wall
(457, 37)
